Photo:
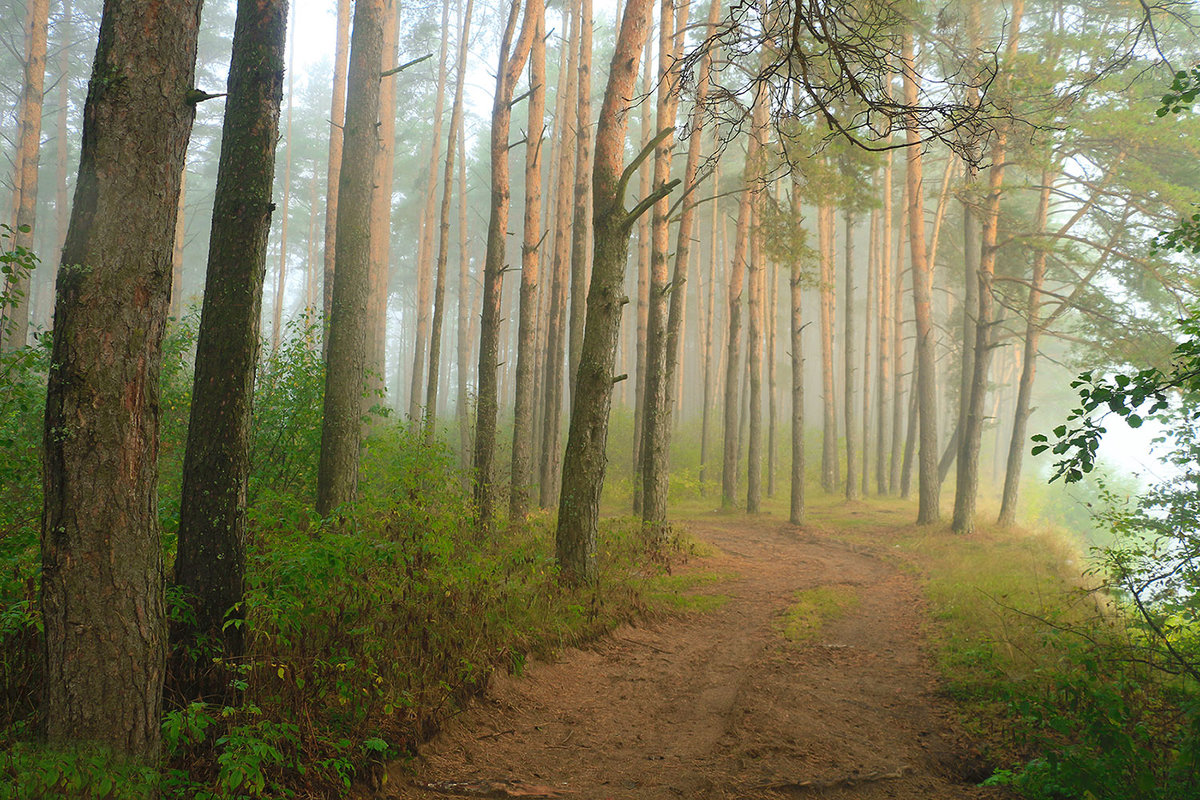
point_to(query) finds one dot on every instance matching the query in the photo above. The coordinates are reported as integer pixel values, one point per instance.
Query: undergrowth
(362, 635)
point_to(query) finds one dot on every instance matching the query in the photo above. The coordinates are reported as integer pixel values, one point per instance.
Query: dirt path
(718, 704)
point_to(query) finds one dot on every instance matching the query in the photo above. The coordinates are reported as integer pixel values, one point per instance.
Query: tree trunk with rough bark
(581, 225)
(211, 554)
(584, 461)
(733, 371)
(102, 598)
(345, 363)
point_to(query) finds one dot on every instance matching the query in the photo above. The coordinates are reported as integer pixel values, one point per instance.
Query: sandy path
(718, 704)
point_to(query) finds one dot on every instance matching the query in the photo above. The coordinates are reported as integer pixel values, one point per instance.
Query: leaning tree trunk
(211, 555)
(341, 429)
(14, 326)
(929, 487)
(493, 266)
(584, 461)
(521, 484)
(102, 601)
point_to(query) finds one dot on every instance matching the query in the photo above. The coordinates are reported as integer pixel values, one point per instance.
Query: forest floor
(807, 672)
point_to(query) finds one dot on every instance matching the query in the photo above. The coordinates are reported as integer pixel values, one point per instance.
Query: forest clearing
(599, 399)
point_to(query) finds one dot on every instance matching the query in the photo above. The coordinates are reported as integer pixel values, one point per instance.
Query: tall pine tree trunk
(733, 371)
(521, 484)
(884, 384)
(925, 360)
(284, 215)
(211, 555)
(102, 599)
(797, 510)
(581, 226)
(346, 360)
(827, 291)
(852, 431)
(584, 461)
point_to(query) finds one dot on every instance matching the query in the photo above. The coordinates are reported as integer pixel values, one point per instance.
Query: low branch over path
(806, 676)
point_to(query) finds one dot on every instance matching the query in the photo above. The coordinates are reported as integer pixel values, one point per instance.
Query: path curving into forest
(720, 704)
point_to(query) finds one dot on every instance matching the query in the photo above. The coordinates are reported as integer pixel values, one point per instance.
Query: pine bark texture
(345, 364)
(102, 570)
(211, 554)
(581, 225)
(585, 459)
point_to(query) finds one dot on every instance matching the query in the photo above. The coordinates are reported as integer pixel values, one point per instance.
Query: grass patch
(679, 591)
(814, 609)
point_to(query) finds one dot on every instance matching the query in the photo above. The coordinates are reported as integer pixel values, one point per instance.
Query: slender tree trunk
(884, 394)
(462, 407)
(281, 275)
(425, 270)
(772, 403)
(211, 555)
(644, 259)
(969, 309)
(925, 359)
(337, 116)
(898, 406)
(661, 348)
(381, 215)
(493, 268)
(967, 485)
(584, 462)
(710, 368)
(177, 248)
(581, 226)
(852, 431)
(439, 291)
(102, 599)
(14, 325)
(522, 443)
(733, 372)
(829, 429)
(1033, 334)
(871, 315)
(798, 512)
(341, 430)
(556, 344)
(754, 346)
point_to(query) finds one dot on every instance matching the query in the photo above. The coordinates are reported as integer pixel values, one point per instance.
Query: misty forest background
(866, 253)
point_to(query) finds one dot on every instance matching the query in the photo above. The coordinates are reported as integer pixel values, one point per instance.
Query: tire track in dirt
(719, 704)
